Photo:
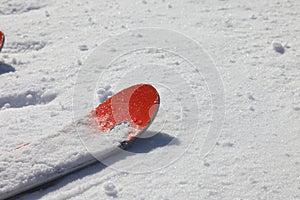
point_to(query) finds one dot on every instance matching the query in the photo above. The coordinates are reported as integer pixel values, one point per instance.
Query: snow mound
(8, 7)
(26, 99)
(110, 189)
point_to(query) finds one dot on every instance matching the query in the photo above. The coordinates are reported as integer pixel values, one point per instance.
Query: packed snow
(250, 47)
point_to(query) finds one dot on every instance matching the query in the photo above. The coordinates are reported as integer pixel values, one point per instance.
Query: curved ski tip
(137, 105)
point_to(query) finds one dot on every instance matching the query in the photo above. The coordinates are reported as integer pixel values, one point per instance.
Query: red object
(17, 148)
(136, 105)
(1, 40)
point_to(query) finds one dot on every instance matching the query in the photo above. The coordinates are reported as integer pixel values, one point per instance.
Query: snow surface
(255, 47)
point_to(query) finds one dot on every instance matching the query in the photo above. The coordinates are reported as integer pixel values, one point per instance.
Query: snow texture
(255, 47)
(39, 165)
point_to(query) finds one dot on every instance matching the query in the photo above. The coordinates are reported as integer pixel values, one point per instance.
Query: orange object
(136, 105)
(1, 40)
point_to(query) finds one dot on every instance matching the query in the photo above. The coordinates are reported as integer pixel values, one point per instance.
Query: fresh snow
(255, 48)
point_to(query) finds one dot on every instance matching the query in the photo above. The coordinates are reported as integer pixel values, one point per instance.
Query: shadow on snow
(5, 68)
(138, 146)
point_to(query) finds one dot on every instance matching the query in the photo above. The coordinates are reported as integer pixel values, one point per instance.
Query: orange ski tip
(136, 105)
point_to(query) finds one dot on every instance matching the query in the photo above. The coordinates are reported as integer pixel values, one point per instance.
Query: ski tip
(143, 104)
(1, 40)
(136, 105)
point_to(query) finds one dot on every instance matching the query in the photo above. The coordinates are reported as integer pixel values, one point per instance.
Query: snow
(110, 189)
(55, 57)
(277, 46)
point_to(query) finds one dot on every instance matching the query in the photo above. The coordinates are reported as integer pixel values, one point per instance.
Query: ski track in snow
(254, 44)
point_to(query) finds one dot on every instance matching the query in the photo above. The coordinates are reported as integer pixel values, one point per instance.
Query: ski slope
(252, 45)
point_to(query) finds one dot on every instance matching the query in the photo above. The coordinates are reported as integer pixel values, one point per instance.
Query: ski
(105, 131)
(2, 38)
